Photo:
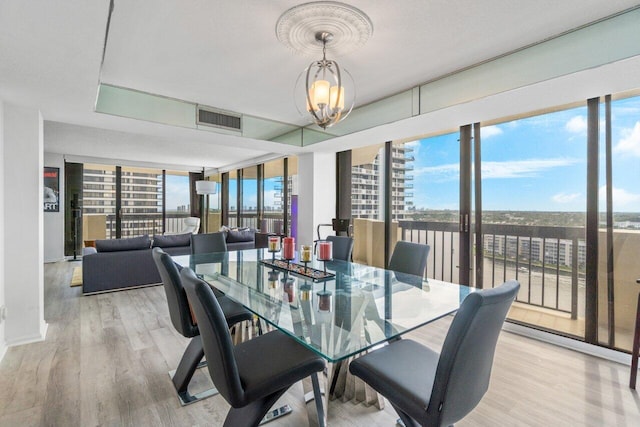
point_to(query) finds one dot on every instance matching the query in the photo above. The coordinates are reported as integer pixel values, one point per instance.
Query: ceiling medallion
(350, 27)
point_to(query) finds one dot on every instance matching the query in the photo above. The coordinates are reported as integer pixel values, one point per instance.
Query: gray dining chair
(254, 374)
(183, 322)
(409, 258)
(430, 389)
(208, 242)
(342, 247)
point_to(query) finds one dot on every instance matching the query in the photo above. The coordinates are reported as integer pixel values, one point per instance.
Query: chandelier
(324, 91)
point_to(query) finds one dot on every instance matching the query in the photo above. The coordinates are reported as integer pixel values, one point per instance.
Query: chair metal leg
(318, 398)
(255, 413)
(190, 361)
(404, 420)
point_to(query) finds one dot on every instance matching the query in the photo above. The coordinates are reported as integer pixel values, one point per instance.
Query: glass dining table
(337, 309)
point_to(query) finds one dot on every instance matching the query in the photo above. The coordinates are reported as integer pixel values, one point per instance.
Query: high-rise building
(141, 192)
(367, 192)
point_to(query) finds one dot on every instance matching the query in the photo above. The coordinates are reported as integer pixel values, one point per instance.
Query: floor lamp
(205, 188)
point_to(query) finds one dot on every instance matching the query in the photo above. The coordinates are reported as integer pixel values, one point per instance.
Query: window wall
(98, 202)
(291, 227)
(141, 201)
(176, 200)
(128, 201)
(619, 208)
(273, 215)
(534, 187)
(266, 192)
(368, 204)
(426, 194)
(249, 212)
(233, 199)
(212, 206)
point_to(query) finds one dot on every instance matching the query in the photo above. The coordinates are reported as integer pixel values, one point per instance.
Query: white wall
(54, 221)
(3, 344)
(23, 219)
(316, 193)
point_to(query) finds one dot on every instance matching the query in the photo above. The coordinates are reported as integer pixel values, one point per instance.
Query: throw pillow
(172, 240)
(234, 236)
(130, 244)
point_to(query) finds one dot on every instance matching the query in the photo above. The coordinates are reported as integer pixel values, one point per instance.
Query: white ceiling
(225, 54)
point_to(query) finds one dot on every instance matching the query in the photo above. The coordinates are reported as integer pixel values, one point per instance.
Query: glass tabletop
(353, 309)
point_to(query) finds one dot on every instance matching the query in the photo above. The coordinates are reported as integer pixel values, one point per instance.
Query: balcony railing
(147, 223)
(547, 261)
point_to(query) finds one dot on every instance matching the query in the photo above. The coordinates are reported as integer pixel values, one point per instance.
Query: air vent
(219, 119)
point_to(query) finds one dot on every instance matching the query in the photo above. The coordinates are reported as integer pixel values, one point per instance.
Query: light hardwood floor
(106, 357)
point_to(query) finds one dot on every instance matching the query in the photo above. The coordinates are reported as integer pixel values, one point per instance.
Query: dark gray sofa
(126, 263)
(116, 264)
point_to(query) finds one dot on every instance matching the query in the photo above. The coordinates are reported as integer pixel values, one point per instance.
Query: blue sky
(177, 191)
(534, 164)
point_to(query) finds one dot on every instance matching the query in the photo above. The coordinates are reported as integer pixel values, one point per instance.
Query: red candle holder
(288, 248)
(325, 250)
(324, 300)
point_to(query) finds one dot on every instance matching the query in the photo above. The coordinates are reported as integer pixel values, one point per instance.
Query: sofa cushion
(130, 244)
(241, 235)
(172, 240)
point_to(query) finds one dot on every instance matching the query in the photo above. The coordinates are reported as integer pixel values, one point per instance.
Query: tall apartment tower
(367, 197)
(141, 199)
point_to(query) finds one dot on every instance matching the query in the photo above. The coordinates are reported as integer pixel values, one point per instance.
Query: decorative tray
(311, 273)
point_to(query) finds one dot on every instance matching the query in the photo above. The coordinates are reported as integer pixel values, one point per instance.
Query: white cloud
(630, 141)
(577, 124)
(621, 198)
(489, 131)
(522, 168)
(439, 173)
(565, 198)
(412, 143)
(509, 169)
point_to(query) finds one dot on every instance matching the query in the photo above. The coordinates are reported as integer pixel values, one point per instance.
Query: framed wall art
(51, 189)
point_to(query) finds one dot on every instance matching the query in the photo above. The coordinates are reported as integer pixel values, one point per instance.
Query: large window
(368, 204)
(426, 194)
(177, 200)
(249, 212)
(98, 202)
(233, 199)
(273, 216)
(618, 257)
(128, 201)
(141, 201)
(292, 195)
(533, 216)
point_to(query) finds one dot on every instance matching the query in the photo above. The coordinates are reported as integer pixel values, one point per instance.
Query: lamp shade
(206, 187)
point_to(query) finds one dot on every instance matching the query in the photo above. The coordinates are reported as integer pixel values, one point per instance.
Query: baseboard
(572, 344)
(3, 350)
(44, 327)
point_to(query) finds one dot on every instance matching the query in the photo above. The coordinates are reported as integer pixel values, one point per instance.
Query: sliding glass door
(533, 216)
(619, 234)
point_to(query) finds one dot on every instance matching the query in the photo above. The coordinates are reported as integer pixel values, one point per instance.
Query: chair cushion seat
(272, 361)
(403, 372)
(233, 311)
